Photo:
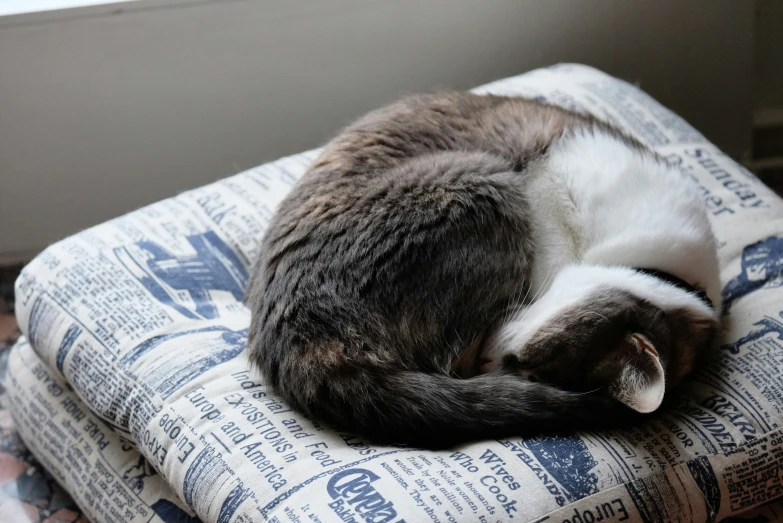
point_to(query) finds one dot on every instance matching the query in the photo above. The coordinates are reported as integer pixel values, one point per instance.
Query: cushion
(105, 474)
(138, 325)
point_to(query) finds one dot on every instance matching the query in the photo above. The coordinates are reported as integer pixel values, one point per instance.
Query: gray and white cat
(457, 266)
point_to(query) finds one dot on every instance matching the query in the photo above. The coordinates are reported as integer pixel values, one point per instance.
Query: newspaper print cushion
(142, 317)
(110, 480)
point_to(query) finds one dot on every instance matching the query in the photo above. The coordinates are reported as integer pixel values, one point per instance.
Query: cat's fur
(457, 266)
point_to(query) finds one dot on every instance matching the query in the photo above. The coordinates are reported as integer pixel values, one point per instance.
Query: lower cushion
(106, 475)
(142, 317)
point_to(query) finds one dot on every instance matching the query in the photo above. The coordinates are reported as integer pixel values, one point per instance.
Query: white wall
(12, 7)
(104, 109)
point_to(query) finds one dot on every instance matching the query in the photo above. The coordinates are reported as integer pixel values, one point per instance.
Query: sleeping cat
(457, 266)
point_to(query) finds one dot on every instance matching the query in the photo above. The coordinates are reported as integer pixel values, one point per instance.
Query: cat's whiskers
(511, 311)
(459, 338)
(597, 314)
(548, 279)
(550, 276)
(589, 391)
(535, 297)
(514, 309)
(621, 260)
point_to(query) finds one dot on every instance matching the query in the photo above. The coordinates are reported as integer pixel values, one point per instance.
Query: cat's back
(513, 128)
(397, 167)
(451, 140)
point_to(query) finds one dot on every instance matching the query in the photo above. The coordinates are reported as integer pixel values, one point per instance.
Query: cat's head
(616, 331)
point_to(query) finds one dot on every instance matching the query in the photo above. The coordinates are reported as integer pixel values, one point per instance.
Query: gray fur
(392, 259)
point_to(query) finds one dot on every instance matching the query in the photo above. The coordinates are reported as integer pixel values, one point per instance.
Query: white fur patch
(600, 208)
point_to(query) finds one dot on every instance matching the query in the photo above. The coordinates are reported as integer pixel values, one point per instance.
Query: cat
(457, 266)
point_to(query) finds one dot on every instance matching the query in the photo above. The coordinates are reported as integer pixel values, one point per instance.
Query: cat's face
(629, 344)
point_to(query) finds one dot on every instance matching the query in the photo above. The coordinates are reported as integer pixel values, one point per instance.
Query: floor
(27, 492)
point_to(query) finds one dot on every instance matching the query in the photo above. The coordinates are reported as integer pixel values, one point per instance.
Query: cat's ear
(641, 382)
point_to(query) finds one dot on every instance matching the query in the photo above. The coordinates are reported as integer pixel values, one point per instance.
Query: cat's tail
(436, 410)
